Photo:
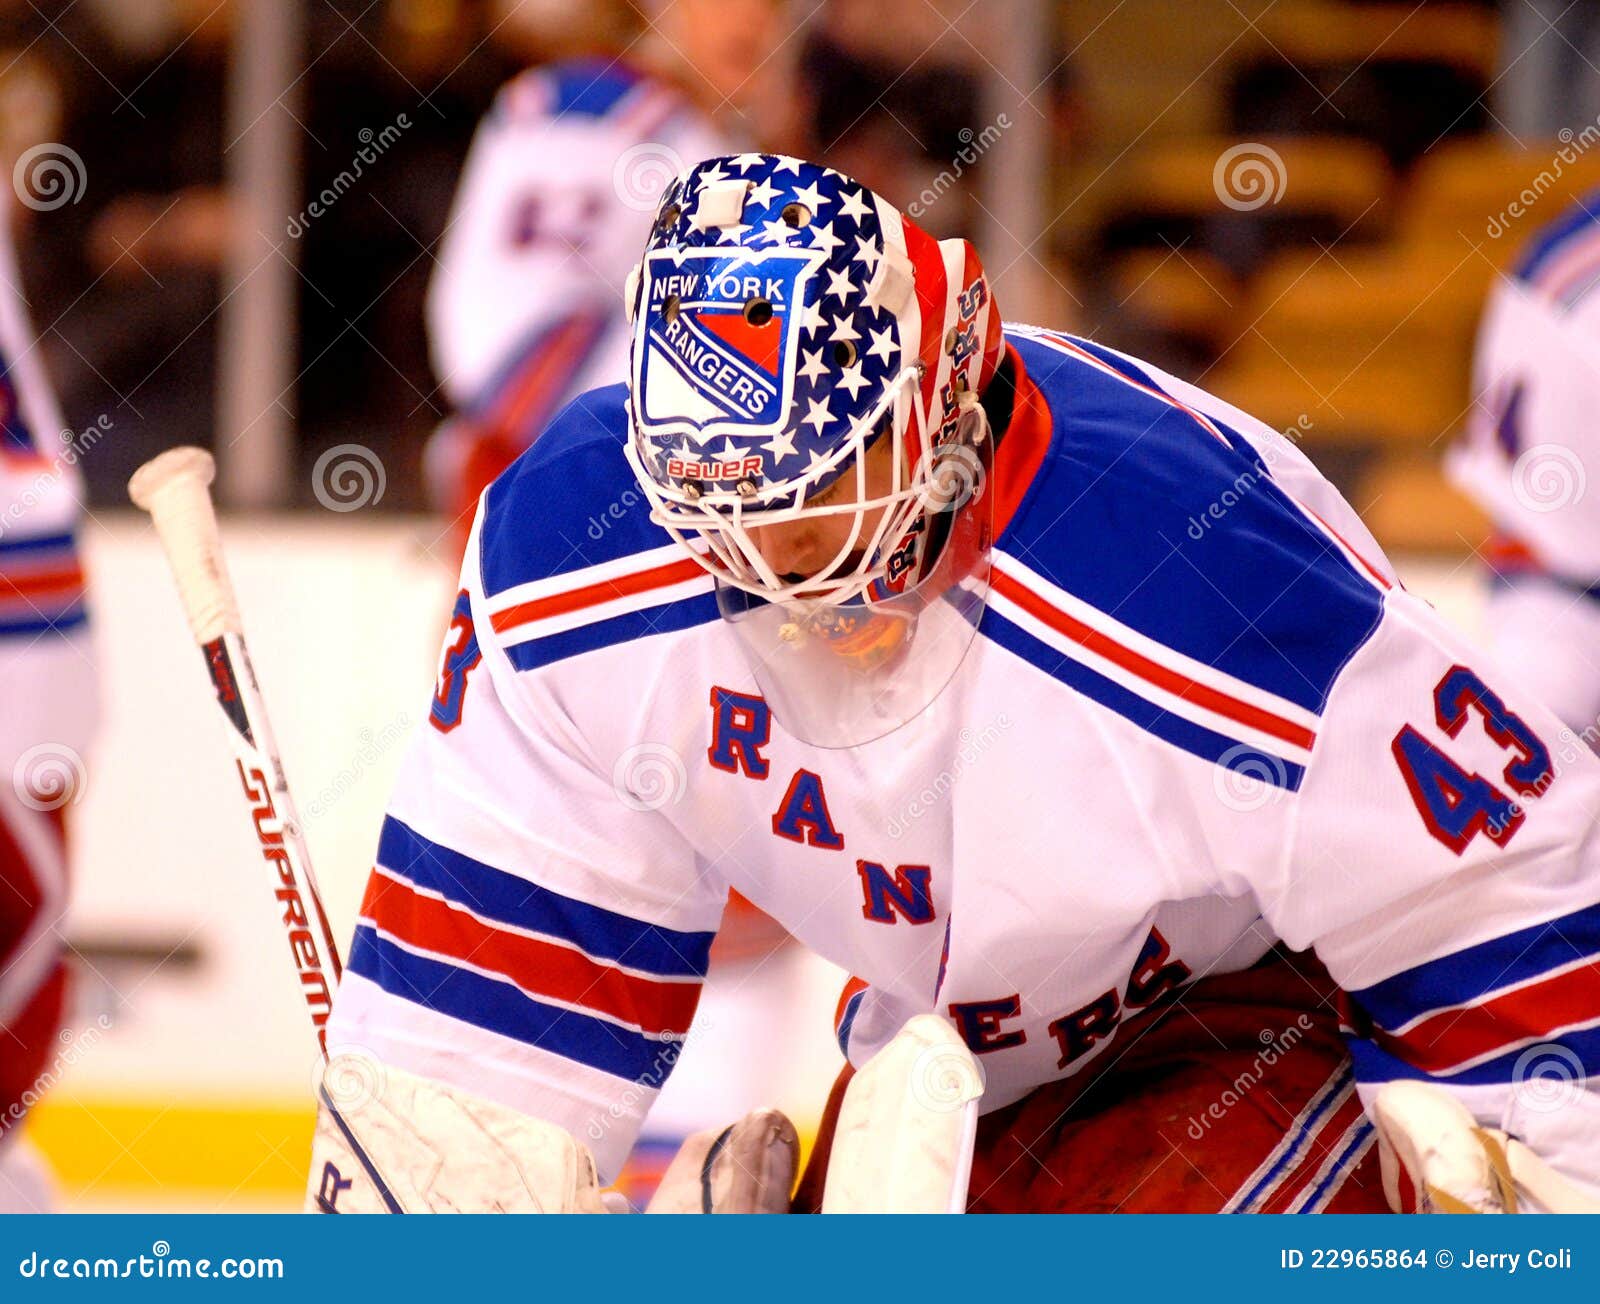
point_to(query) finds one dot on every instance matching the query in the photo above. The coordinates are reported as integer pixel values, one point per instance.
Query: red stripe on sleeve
(1178, 684)
(1452, 1038)
(538, 967)
(558, 604)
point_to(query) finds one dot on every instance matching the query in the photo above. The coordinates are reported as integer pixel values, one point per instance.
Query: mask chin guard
(844, 674)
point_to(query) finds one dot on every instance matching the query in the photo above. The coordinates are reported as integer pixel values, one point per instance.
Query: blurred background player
(1530, 450)
(555, 201)
(47, 708)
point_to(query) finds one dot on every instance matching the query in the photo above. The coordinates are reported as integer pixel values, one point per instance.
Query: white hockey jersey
(553, 207)
(1531, 452)
(1200, 717)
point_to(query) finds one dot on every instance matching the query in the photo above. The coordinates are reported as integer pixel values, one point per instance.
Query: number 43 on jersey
(1454, 803)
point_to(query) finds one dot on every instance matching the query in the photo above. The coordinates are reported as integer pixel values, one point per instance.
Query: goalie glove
(747, 1168)
(388, 1141)
(1436, 1158)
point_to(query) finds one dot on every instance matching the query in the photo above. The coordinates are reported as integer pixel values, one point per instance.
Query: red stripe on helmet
(933, 289)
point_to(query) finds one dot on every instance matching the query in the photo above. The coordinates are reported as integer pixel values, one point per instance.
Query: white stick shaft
(174, 489)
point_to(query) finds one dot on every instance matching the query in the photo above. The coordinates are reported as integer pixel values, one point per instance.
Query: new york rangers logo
(719, 341)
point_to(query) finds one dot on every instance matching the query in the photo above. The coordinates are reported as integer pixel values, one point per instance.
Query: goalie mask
(806, 365)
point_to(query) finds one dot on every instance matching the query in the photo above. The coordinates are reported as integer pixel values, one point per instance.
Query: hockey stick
(174, 488)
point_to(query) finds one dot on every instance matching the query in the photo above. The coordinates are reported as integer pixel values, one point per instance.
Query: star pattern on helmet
(776, 229)
(852, 204)
(823, 238)
(852, 379)
(762, 193)
(844, 348)
(883, 344)
(780, 446)
(811, 196)
(817, 414)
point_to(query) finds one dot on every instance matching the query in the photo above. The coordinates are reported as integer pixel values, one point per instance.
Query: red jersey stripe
(1452, 1038)
(538, 967)
(558, 604)
(1152, 672)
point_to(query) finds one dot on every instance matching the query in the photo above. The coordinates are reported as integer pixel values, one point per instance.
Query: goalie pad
(747, 1168)
(388, 1141)
(1437, 1158)
(904, 1138)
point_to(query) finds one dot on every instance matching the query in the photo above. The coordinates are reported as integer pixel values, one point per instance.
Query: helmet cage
(716, 526)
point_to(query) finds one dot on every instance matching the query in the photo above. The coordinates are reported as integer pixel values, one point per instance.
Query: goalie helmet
(786, 320)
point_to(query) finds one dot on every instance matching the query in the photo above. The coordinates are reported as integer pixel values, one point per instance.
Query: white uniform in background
(1531, 459)
(47, 708)
(554, 204)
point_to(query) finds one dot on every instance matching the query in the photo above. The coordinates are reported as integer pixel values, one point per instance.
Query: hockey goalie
(1184, 860)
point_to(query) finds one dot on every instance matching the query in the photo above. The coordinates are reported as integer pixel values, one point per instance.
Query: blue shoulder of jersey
(583, 88)
(568, 516)
(1169, 522)
(1578, 224)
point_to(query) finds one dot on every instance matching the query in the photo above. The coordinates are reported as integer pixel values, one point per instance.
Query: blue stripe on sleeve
(73, 617)
(501, 1007)
(1478, 970)
(507, 899)
(1578, 221)
(14, 547)
(1569, 1057)
(852, 1007)
(673, 616)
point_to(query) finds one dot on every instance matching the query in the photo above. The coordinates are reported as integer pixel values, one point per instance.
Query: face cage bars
(722, 523)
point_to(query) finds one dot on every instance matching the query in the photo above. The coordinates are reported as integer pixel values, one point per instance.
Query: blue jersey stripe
(1291, 1154)
(1553, 240)
(69, 619)
(1572, 1054)
(1195, 739)
(673, 616)
(499, 1006)
(852, 1007)
(1467, 975)
(1330, 1183)
(507, 899)
(14, 547)
(1143, 514)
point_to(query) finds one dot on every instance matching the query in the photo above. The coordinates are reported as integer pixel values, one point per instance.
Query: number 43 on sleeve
(1457, 805)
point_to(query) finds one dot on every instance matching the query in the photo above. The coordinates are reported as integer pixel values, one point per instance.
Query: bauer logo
(717, 341)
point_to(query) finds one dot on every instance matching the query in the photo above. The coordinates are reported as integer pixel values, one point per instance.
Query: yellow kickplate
(109, 1145)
